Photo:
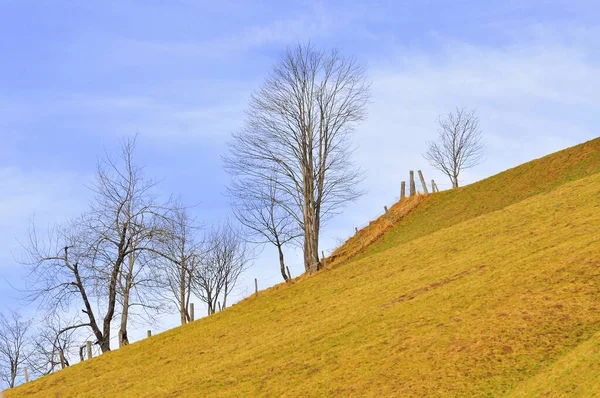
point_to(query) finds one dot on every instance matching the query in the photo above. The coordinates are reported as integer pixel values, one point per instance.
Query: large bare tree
(297, 129)
(217, 272)
(459, 145)
(97, 255)
(125, 218)
(14, 335)
(259, 207)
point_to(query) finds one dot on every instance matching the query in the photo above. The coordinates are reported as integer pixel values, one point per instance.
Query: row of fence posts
(413, 189)
(412, 192)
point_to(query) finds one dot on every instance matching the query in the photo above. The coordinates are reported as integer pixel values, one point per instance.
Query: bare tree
(459, 145)
(125, 218)
(14, 333)
(218, 270)
(260, 209)
(182, 249)
(52, 339)
(297, 129)
(96, 256)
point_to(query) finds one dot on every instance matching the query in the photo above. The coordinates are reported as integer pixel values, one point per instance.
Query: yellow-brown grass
(374, 231)
(501, 298)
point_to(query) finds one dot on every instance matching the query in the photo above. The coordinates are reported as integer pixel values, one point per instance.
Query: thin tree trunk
(282, 263)
(182, 290)
(13, 373)
(225, 295)
(112, 301)
(86, 302)
(123, 338)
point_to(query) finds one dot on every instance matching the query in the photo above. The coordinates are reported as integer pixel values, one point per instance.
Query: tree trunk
(282, 263)
(225, 293)
(104, 342)
(182, 301)
(13, 373)
(86, 302)
(123, 338)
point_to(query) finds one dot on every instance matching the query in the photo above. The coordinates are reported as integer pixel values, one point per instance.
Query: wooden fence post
(192, 312)
(436, 187)
(388, 216)
(324, 259)
(362, 244)
(219, 303)
(432, 186)
(423, 182)
(402, 190)
(149, 333)
(413, 188)
(256, 286)
(88, 345)
(26, 374)
(61, 355)
(289, 273)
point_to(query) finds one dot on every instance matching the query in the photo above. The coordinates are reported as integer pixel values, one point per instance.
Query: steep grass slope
(499, 298)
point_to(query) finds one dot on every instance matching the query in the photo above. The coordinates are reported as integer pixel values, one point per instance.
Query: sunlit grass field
(489, 290)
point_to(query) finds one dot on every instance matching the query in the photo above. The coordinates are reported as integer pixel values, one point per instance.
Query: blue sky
(77, 77)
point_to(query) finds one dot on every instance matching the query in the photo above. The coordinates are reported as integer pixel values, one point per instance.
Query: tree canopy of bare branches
(99, 255)
(459, 145)
(125, 218)
(14, 334)
(296, 136)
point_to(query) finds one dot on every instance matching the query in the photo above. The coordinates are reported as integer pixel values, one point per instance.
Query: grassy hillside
(490, 290)
(450, 207)
(577, 374)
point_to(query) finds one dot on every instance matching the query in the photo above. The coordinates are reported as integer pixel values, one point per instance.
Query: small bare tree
(297, 129)
(459, 145)
(52, 339)
(182, 249)
(218, 270)
(14, 334)
(259, 207)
